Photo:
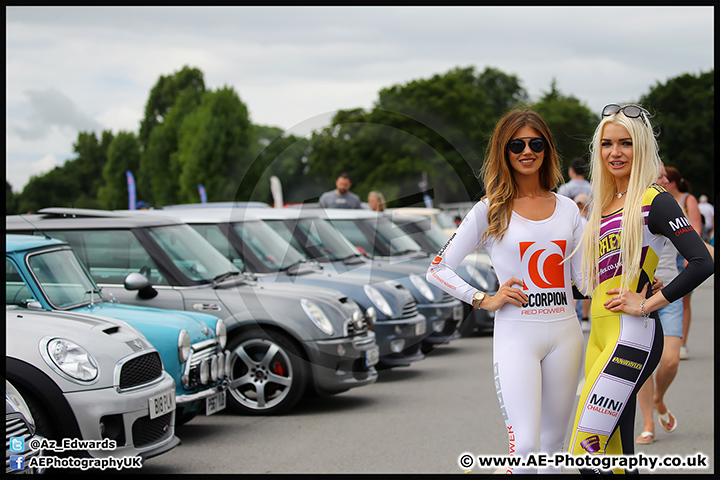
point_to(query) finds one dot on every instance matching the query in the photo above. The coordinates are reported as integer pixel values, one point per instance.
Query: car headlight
(317, 316)
(72, 359)
(422, 287)
(371, 316)
(183, 346)
(477, 277)
(221, 333)
(376, 297)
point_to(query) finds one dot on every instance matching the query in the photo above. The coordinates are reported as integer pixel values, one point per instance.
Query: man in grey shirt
(341, 197)
(577, 183)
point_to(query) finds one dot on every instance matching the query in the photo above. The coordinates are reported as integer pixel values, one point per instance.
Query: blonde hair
(380, 197)
(644, 172)
(497, 174)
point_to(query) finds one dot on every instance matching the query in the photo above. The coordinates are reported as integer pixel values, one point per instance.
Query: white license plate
(372, 356)
(215, 403)
(161, 404)
(420, 328)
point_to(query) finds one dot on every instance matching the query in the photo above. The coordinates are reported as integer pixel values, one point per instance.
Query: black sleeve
(667, 218)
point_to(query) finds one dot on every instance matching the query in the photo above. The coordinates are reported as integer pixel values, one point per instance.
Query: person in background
(680, 190)
(631, 218)
(582, 306)
(652, 394)
(527, 230)
(341, 197)
(376, 201)
(577, 183)
(708, 212)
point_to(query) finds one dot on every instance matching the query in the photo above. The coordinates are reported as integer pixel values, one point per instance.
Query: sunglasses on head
(517, 145)
(630, 111)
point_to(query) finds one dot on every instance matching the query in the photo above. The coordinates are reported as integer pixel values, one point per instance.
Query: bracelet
(642, 311)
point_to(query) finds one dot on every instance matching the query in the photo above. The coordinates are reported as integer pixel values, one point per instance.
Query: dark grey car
(284, 339)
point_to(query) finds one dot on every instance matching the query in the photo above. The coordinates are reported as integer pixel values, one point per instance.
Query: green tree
(163, 96)
(438, 125)
(10, 200)
(53, 189)
(123, 154)
(684, 110)
(286, 157)
(159, 172)
(571, 122)
(214, 144)
(88, 166)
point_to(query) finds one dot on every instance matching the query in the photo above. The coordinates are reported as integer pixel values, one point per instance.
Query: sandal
(667, 421)
(645, 438)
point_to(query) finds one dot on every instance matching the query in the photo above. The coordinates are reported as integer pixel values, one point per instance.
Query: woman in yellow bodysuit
(627, 227)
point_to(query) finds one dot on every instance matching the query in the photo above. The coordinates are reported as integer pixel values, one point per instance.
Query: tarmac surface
(422, 418)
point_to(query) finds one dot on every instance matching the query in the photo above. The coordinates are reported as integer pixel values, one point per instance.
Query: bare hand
(626, 301)
(657, 285)
(506, 294)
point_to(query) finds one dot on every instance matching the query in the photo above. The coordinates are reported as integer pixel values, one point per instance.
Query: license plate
(372, 356)
(420, 328)
(215, 403)
(161, 404)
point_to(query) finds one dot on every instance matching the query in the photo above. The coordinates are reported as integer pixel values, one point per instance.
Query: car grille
(146, 431)
(204, 352)
(446, 297)
(15, 426)
(410, 309)
(141, 370)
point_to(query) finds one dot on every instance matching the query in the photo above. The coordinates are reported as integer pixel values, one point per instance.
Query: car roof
(14, 243)
(347, 213)
(59, 218)
(202, 215)
(416, 210)
(184, 206)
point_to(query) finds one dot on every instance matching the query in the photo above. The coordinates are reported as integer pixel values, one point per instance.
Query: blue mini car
(44, 273)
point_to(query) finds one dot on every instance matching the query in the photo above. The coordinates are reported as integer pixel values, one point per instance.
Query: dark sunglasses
(630, 111)
(517, 145)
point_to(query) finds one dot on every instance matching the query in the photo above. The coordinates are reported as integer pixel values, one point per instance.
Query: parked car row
(123, 324)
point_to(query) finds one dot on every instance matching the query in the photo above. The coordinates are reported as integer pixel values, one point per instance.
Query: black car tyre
(268, 374)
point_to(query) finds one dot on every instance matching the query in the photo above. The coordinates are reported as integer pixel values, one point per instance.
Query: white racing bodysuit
(537, 349)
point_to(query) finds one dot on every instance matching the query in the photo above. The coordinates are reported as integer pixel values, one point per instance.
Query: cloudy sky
(72, 69)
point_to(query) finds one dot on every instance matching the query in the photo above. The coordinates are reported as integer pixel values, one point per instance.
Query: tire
(268, 374)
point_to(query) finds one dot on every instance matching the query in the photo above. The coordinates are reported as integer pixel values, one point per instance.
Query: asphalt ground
(422, 418)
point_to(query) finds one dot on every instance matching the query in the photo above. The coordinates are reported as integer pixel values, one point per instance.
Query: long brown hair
(497, 174)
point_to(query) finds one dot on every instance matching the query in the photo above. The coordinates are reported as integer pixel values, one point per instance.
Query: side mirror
(139, 282)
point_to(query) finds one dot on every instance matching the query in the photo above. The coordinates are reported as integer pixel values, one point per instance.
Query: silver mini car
(88, 377)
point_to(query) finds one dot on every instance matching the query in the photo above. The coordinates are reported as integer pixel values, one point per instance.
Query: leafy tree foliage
(571, 123)
(123, 154)
(684, 110)
(11, 200)
(53, 189)
(163, 96)
(283, 156)
(159, 172)
(213, 147)
(438, 125)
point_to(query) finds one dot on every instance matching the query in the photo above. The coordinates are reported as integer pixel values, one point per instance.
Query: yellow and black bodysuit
(623, 350)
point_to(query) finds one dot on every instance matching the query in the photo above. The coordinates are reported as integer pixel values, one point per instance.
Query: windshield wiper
(353, 259)
(223, 276)
(294, 266)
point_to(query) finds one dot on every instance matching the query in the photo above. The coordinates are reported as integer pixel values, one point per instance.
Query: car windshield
(315, 238)
(378, 237)
(191, 253)
(215, 236)
(270, 248)
(433, 234)
(445, 220)
(62, 278)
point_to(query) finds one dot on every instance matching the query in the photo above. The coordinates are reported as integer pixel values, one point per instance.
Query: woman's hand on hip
(506, 294)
